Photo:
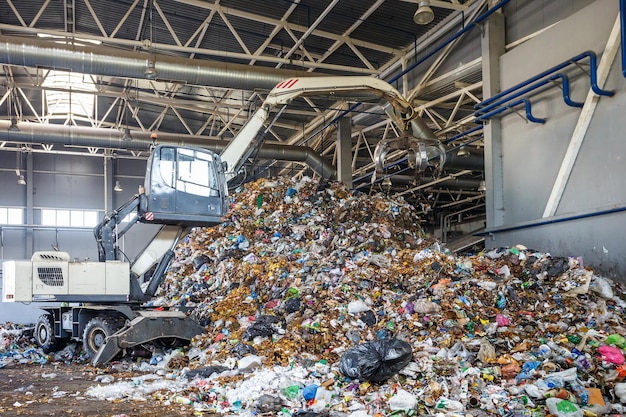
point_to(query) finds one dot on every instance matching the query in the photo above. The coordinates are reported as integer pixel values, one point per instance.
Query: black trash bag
(309, 413)
(265, 326)
(368, 317)
(377, 360)
(205, 372)
(198, 261)
(292, 305)
(241, 349)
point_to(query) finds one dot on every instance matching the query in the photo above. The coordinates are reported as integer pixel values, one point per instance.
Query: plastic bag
(377, 360)
(205, 372)
(402, 400)
(265, 326)
(241, 349)
(611, 354)
(268, 404)
(563, 408)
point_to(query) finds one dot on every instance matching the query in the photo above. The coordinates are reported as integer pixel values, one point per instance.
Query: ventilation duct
(61, 135)
(454, 183)
(36, 53)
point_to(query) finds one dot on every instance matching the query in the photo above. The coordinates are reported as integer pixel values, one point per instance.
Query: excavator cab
(184, 187)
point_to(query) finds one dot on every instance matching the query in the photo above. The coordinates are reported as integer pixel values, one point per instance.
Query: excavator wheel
(44, 333)
(169, 342)
(97, 330)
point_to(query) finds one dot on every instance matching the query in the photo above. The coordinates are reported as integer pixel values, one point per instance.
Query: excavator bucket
(146, 327)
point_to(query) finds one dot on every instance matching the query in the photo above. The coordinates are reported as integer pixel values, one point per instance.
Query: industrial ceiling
(192, 71)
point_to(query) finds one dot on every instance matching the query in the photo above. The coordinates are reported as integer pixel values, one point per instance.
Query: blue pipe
(527, 106)
(593, 59)
(622, 20)
(552, 221)
(566, 94)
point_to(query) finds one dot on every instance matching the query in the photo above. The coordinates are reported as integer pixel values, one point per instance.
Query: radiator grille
(52, 276)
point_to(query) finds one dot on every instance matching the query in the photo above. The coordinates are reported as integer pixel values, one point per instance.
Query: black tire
(169, 342)
(96, 332)
(44, 333)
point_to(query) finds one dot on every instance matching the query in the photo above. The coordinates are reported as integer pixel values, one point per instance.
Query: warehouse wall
(61, 181)
(533, 153)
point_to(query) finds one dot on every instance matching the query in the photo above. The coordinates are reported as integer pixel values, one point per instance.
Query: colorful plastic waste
(319, 300)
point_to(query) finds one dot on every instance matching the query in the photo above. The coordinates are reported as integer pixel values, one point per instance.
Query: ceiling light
(13, 127)
(118, 187)
(463, 152)
(482, 186)
(21, 180)
(126, 137)
(424, 14)
(150, 71)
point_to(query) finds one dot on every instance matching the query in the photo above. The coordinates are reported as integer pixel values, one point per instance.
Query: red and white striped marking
(287, 83)
(149, 216)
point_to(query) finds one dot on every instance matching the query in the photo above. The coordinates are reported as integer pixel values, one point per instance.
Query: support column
(30, 246)
(493, 46)
(108, 182)
(344, 151)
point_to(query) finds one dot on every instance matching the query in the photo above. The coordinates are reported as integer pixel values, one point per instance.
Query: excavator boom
(242, 146)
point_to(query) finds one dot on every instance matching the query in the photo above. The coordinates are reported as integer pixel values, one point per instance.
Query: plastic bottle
(559, 350)
(501, 301)
(581, 360)
(580, 392)
(554, 382)
(182, 400)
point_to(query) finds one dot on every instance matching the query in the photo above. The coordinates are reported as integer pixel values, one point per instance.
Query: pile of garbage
(16, 346)
(319, 299)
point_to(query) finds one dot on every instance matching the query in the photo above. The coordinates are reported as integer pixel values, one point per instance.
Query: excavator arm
(246, 141)
(105, 233)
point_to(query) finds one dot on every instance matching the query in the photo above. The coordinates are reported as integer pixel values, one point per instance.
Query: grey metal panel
(13, 244)
(525, 17)
(583, 31)
(532, 154)
(79, 243)
(68, 191)
(11, 194)
(598, 176)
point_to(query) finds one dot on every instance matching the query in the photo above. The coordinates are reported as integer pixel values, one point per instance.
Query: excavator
(103, 303)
